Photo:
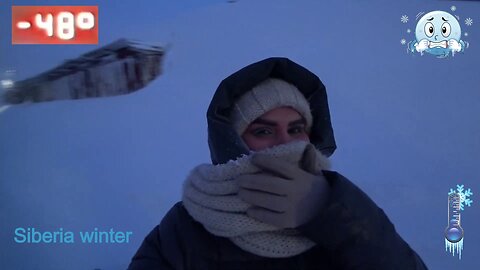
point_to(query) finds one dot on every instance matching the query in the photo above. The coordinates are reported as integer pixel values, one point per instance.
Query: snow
(406, 126)
(469, 21)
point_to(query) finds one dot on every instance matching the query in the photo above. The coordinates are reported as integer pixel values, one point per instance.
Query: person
(269, 200)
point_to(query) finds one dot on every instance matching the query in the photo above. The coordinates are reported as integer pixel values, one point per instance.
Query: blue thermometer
(454, 231)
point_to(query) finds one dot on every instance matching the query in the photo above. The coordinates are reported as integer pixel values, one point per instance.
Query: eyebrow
(431, 19)
(444, 19)
(272, 123)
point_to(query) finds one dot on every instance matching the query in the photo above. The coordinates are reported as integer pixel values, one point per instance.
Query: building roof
(106, 54)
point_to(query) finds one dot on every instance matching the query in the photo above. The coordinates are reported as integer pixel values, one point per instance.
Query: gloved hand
(284, 195)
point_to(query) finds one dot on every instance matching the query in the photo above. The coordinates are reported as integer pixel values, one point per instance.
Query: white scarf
(210, 195)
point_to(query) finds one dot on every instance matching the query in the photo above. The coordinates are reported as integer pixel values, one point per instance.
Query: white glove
(284, 195)
(454, 45)
(422, 45)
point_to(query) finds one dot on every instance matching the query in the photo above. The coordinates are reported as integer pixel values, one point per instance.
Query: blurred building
(119, 68)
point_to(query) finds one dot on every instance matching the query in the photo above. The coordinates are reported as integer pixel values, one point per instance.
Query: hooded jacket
(351, 232)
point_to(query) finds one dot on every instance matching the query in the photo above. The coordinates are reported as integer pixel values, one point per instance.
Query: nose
(284, 137)
(436, 37)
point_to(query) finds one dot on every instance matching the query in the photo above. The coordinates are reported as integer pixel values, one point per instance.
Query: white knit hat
(268, 95)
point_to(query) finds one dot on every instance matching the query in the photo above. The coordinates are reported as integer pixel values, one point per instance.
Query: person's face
(278, 126)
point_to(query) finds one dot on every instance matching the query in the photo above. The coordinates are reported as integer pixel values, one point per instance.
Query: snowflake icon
(453, 8)
(469, 21)
(464, 196)
(403, 41)
(404, 19)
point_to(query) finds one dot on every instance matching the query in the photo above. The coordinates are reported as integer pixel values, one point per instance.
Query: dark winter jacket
(351, 232)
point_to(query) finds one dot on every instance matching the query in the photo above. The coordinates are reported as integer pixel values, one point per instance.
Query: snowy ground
(407, 126)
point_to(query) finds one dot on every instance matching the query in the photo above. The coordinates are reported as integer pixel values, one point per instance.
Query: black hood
(224, 142)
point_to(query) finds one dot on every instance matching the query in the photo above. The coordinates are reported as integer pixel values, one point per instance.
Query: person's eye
(297, 130)
(261, 132)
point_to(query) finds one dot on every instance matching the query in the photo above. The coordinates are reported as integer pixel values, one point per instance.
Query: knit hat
(268, 95)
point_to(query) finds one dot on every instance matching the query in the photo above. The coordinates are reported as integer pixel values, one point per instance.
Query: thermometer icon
(454, 231)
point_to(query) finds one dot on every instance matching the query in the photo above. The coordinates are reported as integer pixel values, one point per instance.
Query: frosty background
(407, 126)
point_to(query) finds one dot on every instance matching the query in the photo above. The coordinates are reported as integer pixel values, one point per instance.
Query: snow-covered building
(119, 68)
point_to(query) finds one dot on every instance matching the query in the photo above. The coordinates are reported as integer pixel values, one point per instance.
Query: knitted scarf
(210, 195)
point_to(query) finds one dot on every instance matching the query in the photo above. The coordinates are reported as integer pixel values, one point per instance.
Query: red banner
(54, 24)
